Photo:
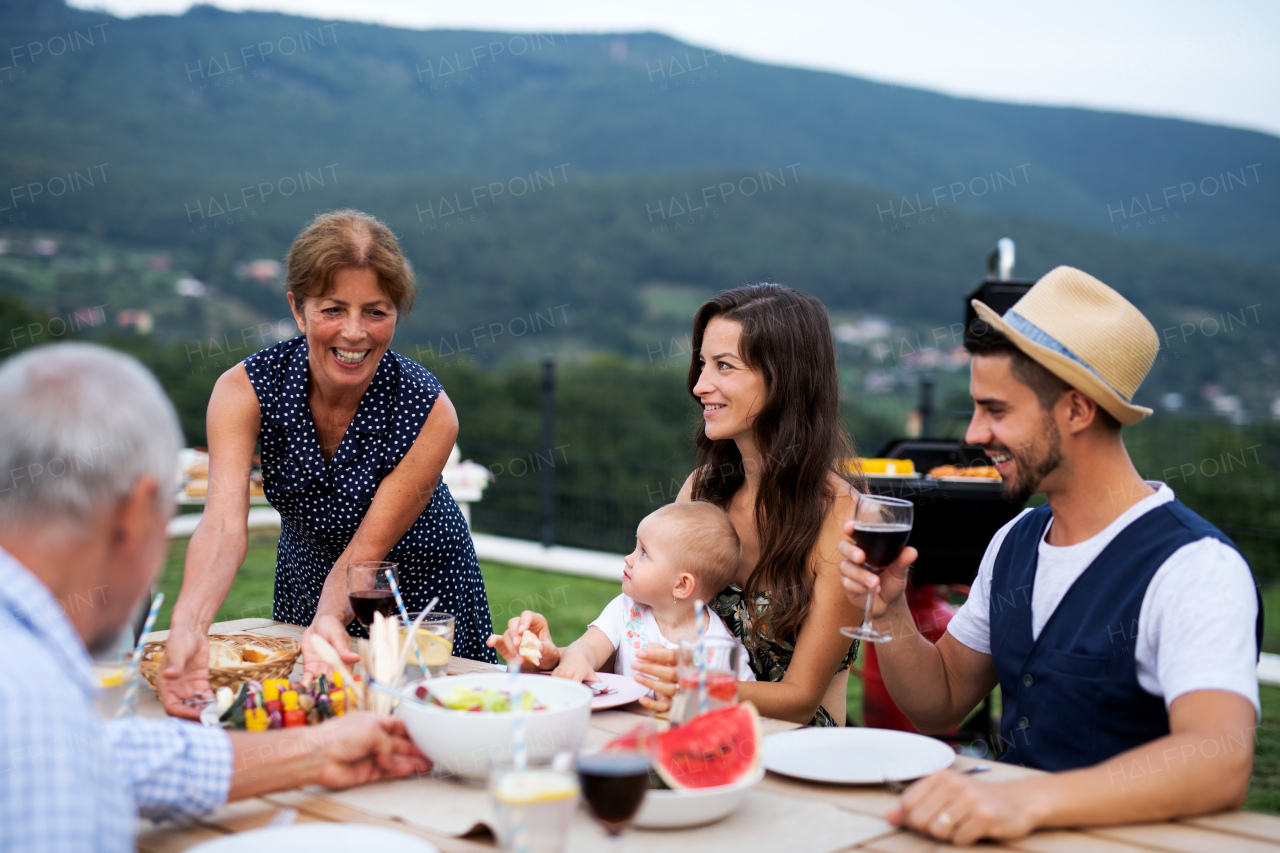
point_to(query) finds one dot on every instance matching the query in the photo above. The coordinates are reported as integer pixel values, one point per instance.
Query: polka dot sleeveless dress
(321, 505)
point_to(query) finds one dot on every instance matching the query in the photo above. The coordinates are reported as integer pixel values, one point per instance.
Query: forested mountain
(212, 97)
(531, 173)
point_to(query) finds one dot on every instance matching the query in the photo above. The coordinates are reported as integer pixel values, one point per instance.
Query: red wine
(366, 602)
(613, 784)
(881, 541)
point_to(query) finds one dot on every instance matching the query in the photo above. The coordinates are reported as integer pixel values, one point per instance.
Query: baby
(684, 551)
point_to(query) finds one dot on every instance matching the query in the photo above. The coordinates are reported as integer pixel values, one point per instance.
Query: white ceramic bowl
(466, 743)
(694, 806)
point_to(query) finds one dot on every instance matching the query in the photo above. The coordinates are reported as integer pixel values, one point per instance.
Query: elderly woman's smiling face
(348, 329)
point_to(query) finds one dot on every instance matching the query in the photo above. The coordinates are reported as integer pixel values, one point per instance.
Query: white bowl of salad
(464, 724)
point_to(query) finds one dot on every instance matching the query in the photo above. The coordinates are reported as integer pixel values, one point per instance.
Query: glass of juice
(112, 670)
(435, 645)
(369, 589)
(113, 682)
(718, 659)
(534, 805)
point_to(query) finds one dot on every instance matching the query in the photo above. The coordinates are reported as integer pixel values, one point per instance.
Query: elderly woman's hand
(333, 631)
(656, 669)
(186, 670)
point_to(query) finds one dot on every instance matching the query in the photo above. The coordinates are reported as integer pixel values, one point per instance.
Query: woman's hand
(335, 633)
(508, 643)
(656, 669)
(218, 545)
(186, 671)
(857, 580)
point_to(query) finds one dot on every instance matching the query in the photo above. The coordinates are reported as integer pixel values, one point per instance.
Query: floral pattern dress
(769, 655)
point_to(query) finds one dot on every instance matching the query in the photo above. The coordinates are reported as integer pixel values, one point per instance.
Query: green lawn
(570, 603)
(1271, 625)
(1264, 791)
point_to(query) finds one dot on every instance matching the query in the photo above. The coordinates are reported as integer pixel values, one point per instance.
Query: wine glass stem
(871, 595)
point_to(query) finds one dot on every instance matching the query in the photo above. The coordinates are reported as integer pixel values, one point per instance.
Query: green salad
(490, 699)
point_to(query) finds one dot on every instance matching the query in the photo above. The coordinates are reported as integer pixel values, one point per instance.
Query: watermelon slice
(718, 748)
(634, 740)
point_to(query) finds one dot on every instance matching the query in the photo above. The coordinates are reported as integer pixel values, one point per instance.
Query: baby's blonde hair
(709, 546)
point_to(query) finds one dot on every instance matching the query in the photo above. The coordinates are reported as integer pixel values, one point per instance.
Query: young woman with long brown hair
(770, 452)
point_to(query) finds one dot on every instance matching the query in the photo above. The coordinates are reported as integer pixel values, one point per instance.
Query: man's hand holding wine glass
(880, 527)
(856, 579)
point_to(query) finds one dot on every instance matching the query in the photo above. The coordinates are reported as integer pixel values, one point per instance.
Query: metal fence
(608, 473)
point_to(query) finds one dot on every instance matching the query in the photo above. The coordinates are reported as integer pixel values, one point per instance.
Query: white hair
(79, 425)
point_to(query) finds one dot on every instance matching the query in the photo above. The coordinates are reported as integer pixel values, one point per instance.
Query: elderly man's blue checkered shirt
(68, 780)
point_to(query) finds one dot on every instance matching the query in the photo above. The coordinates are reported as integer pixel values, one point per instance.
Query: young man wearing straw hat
(88, 448)
(1122, 628)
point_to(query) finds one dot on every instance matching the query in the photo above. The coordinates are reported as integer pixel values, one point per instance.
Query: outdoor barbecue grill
(954, 521)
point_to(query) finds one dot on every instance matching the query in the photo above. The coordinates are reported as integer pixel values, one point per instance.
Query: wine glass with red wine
(369, 589)
(613, 785)
(881, 528)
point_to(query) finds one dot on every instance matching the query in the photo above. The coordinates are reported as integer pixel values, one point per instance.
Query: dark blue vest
(1071, 698)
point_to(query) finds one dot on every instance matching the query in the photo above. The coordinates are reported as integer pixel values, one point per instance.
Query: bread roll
(224, 654)
(531, 648)
(256, 654)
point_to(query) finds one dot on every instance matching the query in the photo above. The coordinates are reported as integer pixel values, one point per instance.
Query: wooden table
(1246, 832)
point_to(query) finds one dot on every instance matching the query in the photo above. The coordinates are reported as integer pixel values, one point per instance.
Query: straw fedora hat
(1084, 333)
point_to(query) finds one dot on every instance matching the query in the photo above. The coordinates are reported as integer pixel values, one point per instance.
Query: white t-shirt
(630, 626)
(1195, 626)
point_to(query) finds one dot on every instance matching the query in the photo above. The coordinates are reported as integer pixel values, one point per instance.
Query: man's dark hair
(981, 339)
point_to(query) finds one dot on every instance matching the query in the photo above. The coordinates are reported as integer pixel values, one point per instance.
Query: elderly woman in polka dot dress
(353, 439)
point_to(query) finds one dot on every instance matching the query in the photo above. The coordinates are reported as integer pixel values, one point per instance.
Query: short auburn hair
(709, 545)
(349, 239)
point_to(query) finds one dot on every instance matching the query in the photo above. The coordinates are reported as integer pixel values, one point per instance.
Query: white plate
(318, 836)
(629, 690)
(968, 479)
(855, 756)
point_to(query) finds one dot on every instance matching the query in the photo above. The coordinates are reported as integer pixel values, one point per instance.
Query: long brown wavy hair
(786, 335)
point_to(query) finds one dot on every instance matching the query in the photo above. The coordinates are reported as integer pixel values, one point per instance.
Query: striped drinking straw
(700, 655)
(404, 616)
(131, 693)
(519, 750)
(519, 757)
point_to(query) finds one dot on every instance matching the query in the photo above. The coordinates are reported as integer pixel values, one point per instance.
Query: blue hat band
(1037, 335)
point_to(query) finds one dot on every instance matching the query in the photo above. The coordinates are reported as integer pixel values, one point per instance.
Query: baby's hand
(508, 643)
(574, 668)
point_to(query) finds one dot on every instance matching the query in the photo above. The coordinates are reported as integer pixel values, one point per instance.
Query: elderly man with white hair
(88, 444)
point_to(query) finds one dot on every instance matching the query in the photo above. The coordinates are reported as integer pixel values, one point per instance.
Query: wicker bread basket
(231, 676)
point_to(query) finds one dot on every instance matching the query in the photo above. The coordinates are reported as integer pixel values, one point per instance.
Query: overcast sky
(1217, 62)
